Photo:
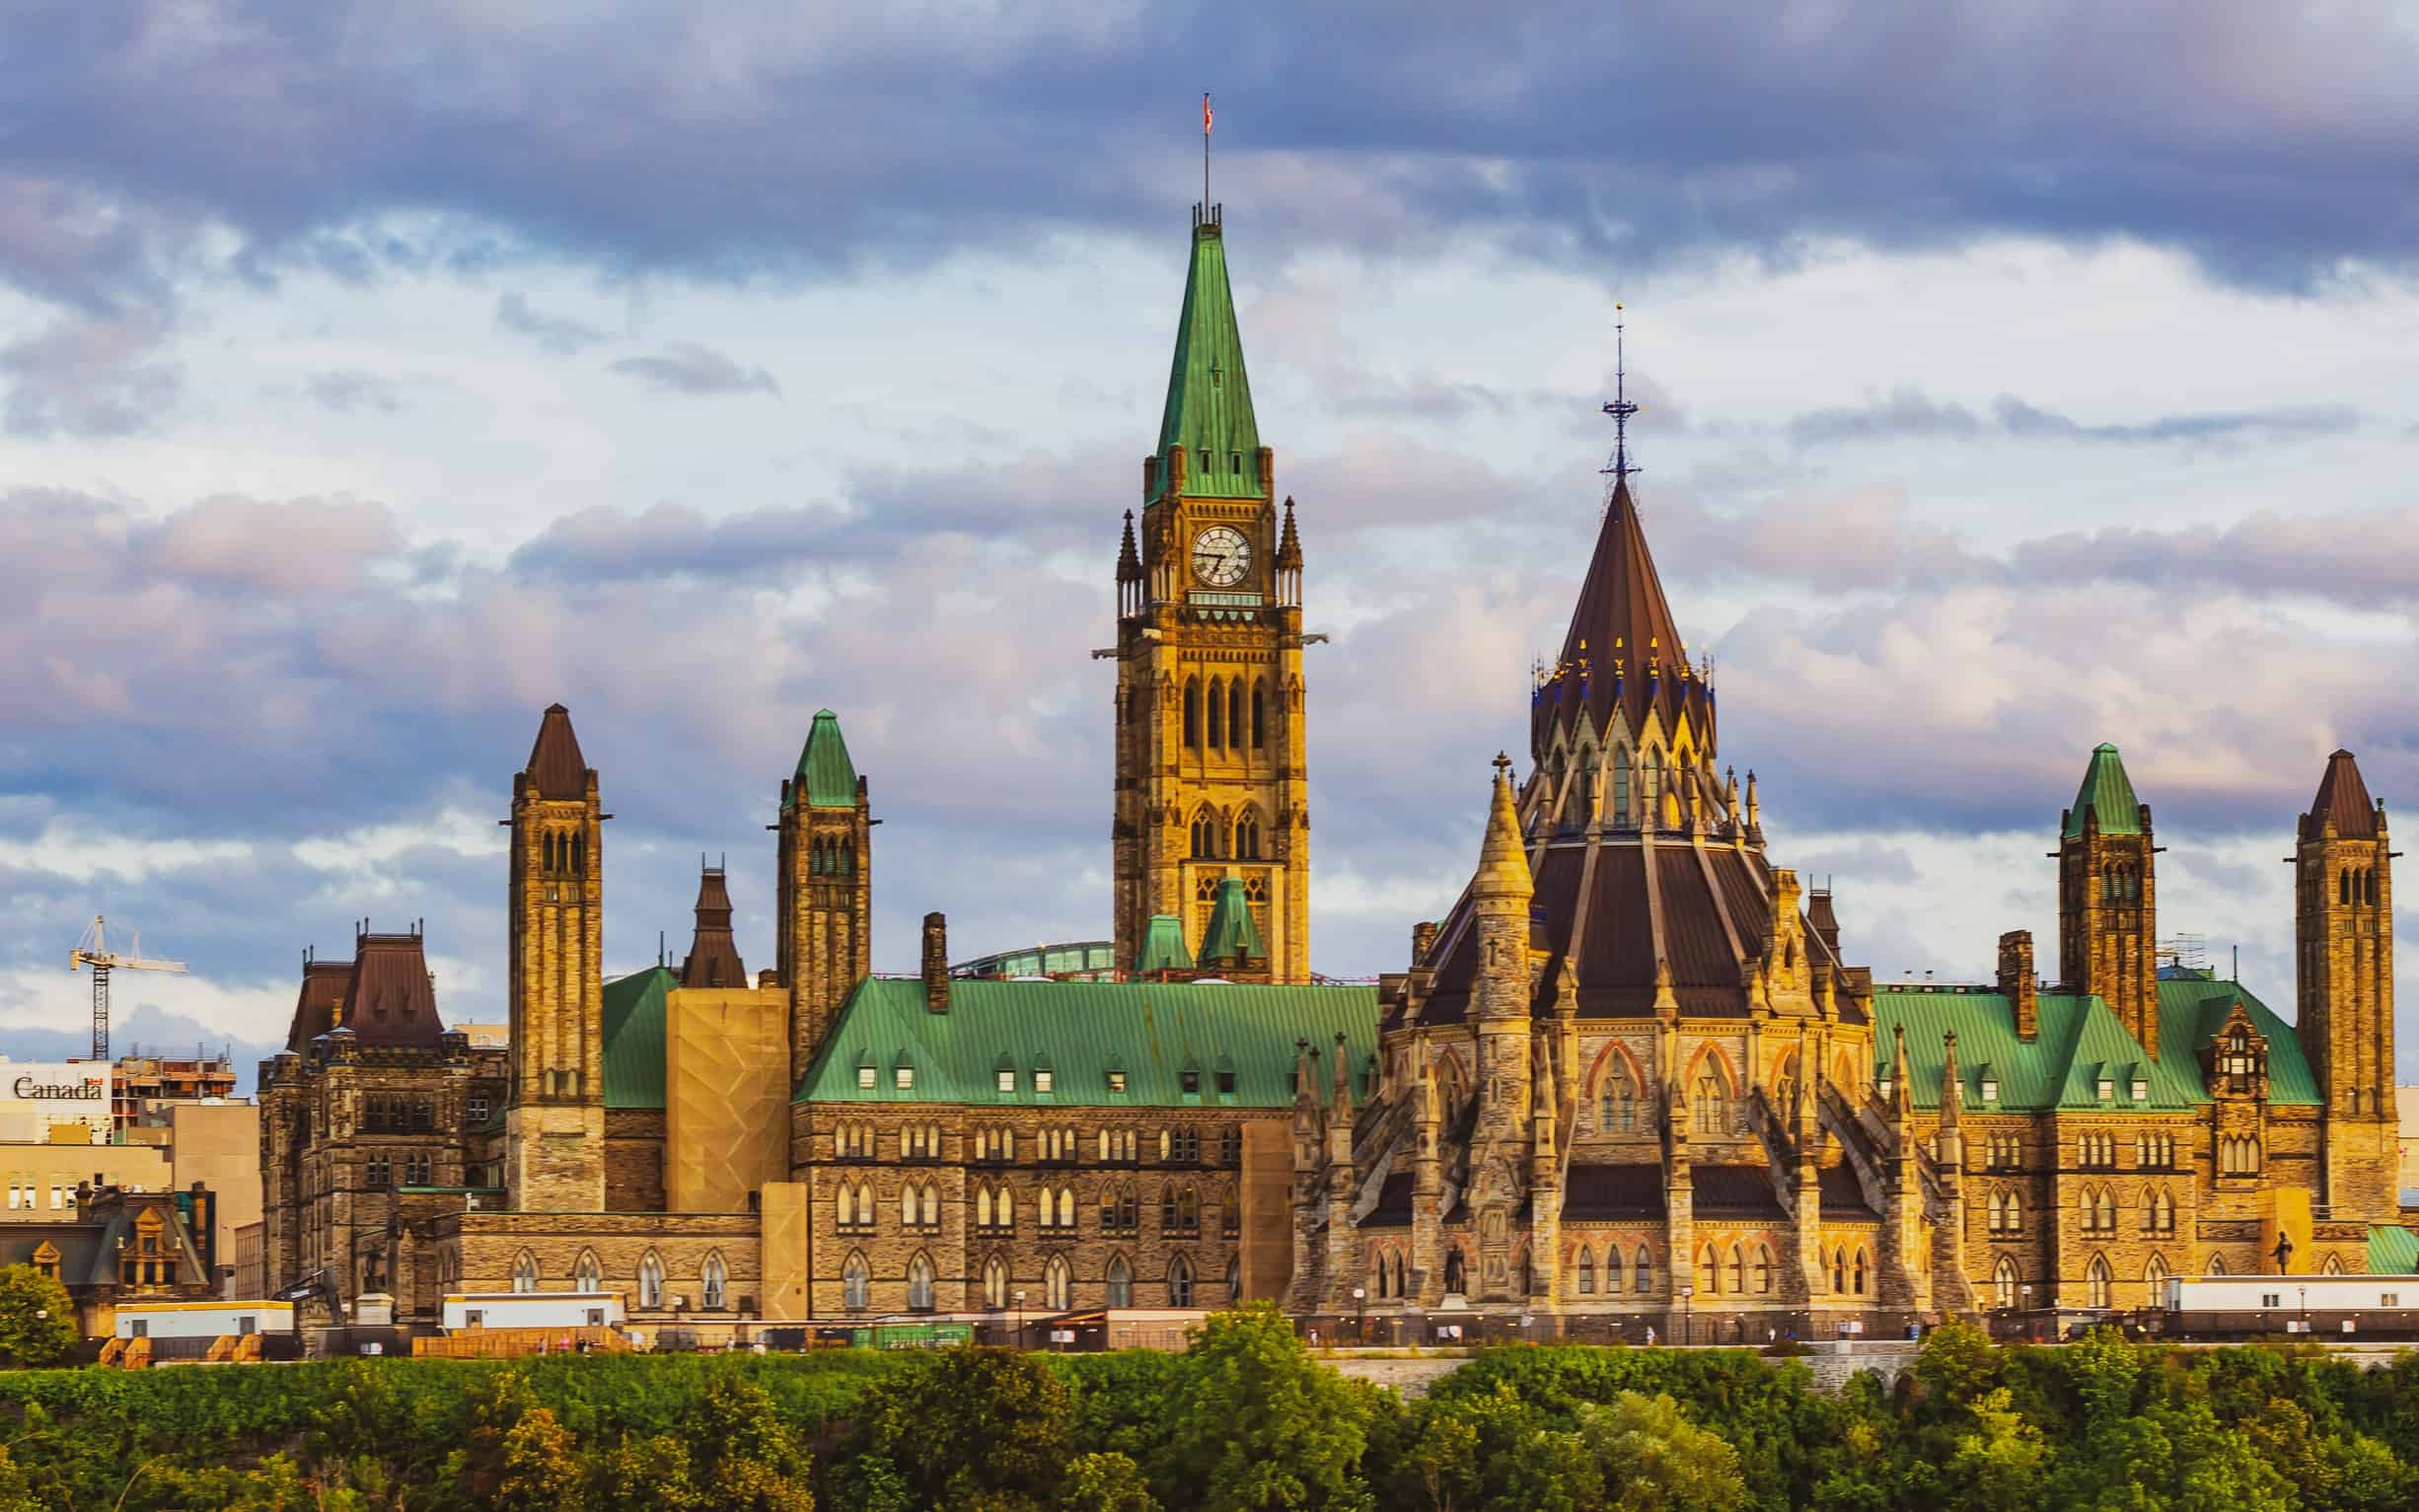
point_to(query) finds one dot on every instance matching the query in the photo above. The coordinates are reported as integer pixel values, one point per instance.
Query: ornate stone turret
(824, 913)
(1427, 1181)
(555, 1118)
(2108, 898)
(2344, 924)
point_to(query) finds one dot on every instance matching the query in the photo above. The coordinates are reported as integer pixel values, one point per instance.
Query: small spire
(1290, 543)
(1129, 561)
(1952, 1092)
(1503, 861)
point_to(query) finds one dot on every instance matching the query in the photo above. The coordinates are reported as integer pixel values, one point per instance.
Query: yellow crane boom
(93, 950)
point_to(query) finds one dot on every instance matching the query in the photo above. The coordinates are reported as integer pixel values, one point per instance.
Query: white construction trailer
(532, 1310)
(203, 1319)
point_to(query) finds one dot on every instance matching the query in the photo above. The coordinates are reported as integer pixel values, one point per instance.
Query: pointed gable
(2344, 798)
(1209, 396)
(1623, 646)
(2108, 792)
(556, 769)
(1232, 936)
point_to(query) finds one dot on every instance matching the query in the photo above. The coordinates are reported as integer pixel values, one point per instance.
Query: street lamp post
(2304, 1290)
(1688, 1321)
(1020, 1320)
(2025, 1291)
(1361, 1313)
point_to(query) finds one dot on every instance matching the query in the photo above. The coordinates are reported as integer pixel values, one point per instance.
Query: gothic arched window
(1059, 1285)
(525, 1272)
(1588, 1273)
(650, 1281)
(857, 1282)
(1620, 816)
(995, 1283)
(1217, 714)
(1859, 1272)
(1121, 1283)
(2097, 1280)
(1763, 1269)
(2002, 1281)
(1191, 713)
(1646, 1269)
(712, 1281)
(1738, 1268)
(1259, 716)
(920, 1283)
(588, 1275)
(1235, 726)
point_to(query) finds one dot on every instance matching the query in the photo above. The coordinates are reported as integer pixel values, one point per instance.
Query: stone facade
(1630, 1082)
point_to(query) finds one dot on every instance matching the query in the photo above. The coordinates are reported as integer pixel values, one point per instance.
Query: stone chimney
(936, 963)
(2018, 982)
(1422, 940)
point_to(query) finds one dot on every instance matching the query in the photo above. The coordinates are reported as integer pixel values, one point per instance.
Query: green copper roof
(2108, 792)
(2392, 1252)
(2080, 1042)
(826, 775)
(1163, 947)
(1209, 395)
(1149, 1034)
(634, 1037)
(2191, 1010)
(1231, 931)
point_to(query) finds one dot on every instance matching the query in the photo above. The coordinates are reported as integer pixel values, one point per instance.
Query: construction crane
(94, 951)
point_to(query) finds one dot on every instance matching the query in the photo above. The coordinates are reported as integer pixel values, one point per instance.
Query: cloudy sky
(2019, 376)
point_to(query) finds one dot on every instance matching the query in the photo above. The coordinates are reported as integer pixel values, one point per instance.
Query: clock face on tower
(1220, 556)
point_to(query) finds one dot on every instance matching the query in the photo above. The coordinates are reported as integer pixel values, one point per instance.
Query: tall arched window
(1713, 1103)
(857, 1282)
(1191, 713)
(2216, 1266)
(995, 1283)
(1646, 1269)
(1059, 1285)
(714, 1281)
(1763, 1269)
(1259, 716)
(588, 1275)
(2097, 1280)
(525, 1272)
(1738, 1268)
(1859, 1272)
(864, 1205)
(1247, 835)
(1217, 714)
(2154, 1277)
(982, 1207)
(1234, 714)
(1179, 1282)
(2002, 1281)
(920, 1283)
(650, 1281)
(1399, 1278)
(1839, 1268)
(1121, 1283)
(843, 1206)
(1620, 816)
(1588, 1273)
(1650, 784)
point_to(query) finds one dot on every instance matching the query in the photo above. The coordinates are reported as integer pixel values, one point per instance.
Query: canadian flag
(1205, 115)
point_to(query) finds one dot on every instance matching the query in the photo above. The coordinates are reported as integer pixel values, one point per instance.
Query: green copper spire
(2108, 792)
(1163, 949)
(1232, 936)
(1209, 396)
(826, 775)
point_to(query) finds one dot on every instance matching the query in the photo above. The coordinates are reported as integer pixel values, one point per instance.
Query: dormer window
(2107, 1089)
(1990, 1089)
(1191, 1083)
(1042, 1081)
(864, 1077)
(1205, 459)
(1007, 1083)
(2142, 1089)
(1117, 1081)
(1882, 1086)
(905, 1078)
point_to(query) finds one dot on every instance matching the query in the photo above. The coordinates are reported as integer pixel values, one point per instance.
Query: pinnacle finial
(1621, 407)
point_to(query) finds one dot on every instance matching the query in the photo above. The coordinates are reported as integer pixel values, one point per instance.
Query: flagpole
(1205, 153)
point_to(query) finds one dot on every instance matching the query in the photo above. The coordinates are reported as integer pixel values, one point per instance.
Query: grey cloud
(89, 376)
(1907, 411)
(558, 333)
(347, 392)
(739, 141)
(2366, 558)
(685, 367)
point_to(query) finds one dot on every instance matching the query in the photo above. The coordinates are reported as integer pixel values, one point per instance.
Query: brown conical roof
(1289, 545)
(1623, 645)
(321, 999)
(556, 769)
(1504, 859)
(2344, 798)
(713, 957)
